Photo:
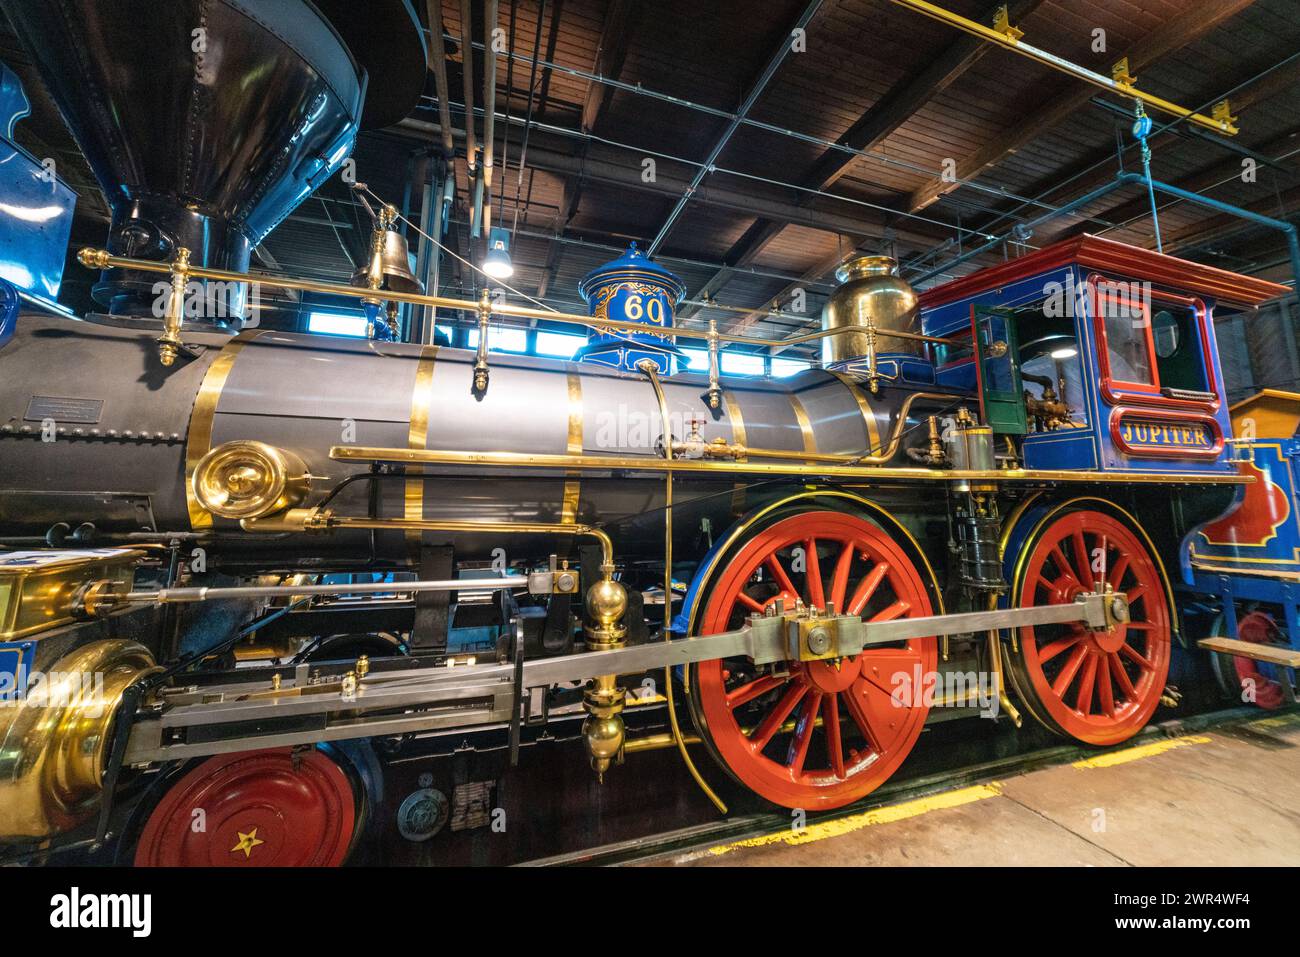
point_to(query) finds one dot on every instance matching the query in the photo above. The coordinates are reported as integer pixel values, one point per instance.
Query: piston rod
(405, 702)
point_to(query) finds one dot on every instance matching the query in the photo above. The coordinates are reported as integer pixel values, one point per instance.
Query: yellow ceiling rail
(1008, 36)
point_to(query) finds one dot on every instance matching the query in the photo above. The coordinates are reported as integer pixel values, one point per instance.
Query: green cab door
(997, 366)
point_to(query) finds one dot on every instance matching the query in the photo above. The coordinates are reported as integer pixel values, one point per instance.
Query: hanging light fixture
(497, 262)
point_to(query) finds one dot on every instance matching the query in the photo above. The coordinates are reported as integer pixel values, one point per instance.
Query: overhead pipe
(1023, 229)
(467, 66)
(438, 57)
(1132, 179)
(490, 12)
(707, 167)
(1287, 229)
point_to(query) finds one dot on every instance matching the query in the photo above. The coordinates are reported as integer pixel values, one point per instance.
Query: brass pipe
(651, 370)
(879, 458)
(102, 259)
(169, 343)
(619, 463)
(307, 519)
(657, 742)
(995, 665)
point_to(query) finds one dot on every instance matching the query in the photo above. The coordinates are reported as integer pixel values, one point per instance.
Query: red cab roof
(1109, 256)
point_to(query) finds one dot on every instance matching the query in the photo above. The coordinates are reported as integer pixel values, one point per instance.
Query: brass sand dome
(870, 296)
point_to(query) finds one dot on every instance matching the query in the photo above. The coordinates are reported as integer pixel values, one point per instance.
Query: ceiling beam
(872, 128)
(756, 91)
(1201, 17)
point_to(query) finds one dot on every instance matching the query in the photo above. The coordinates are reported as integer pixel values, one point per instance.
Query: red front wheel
(1097, 687)
(822, 734)
(278, 807)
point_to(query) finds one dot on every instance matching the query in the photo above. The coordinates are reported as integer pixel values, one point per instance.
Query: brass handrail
(102, 259)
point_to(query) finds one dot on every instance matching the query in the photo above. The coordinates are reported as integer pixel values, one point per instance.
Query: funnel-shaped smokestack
(205, 121)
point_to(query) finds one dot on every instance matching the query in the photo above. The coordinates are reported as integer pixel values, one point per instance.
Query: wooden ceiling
(900, 94)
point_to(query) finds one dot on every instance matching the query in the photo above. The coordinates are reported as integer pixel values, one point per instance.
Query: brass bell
(390, 265)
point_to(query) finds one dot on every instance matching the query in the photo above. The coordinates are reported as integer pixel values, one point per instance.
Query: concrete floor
(1220, 798)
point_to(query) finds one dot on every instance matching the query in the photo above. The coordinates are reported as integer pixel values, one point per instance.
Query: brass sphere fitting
(606, 601)
(603, 730)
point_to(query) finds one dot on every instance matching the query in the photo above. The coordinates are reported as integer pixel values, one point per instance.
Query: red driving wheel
(819, 734)
(1097, 687)
(1258, 627)
(272, 808)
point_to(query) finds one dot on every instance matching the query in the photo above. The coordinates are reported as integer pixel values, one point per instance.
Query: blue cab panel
(35, 207)
(1130, 335)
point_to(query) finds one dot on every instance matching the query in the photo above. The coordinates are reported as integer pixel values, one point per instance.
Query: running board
(1272, 654)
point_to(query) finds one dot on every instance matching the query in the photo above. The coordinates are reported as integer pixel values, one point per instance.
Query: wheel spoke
(1083, 700)
(834, 740)
(897, 610)
(1062, 683)
(816, 597)
(803, 732)
(1121, 677)
(748, 692)
(1132, 653)
(1105, 689)
(750, 603)
(1117, 573)
(840, 580)
(1133, 594)
(866, 588)
(776, 717)
(861, 718)
(1081, 557)
(1064, 567)
(778, 572)
(1048, 652)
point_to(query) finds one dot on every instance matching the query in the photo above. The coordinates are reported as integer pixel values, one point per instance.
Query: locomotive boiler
(259, 543)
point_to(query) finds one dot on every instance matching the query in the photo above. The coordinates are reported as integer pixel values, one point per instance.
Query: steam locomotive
(237, 558)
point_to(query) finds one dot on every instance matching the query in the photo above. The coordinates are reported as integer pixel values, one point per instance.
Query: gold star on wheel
(247, 842)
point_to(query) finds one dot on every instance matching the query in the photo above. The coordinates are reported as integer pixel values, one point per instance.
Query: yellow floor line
(1281, 721)
(1141, 751)
(880, 815)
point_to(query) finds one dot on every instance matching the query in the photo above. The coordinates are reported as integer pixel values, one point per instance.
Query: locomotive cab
(1094, 355)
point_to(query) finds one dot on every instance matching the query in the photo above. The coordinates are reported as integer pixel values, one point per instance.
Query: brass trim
(348, 453)
(417, 437)
(198, 438)
(805, 424)
(573, 485)
(102, 259)
(739, 438)
(868, 417)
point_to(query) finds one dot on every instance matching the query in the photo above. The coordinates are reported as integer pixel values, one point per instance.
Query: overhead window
(337, 324)
(742, 363)
(697, 360)
(788, 367)
(502, 340)
(562, 345)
